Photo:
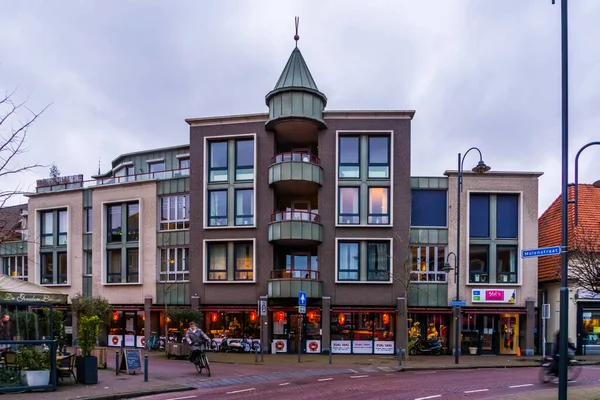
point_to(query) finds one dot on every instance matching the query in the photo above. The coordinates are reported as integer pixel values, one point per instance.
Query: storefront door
(294, 339)
(488, 330)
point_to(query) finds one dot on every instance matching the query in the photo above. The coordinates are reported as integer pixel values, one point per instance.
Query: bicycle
(152, 344)
(200, 360)
(573, 370)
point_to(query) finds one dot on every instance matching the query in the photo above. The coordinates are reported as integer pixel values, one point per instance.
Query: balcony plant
(87, 364)
(35, 366)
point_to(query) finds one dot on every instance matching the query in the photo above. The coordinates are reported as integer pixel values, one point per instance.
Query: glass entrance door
(487, 334)
(293, 334)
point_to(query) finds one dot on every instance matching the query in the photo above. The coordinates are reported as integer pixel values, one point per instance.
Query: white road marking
(283, 384)
(476, 391)
(353, 370)
(241, 391)
(359, 376)
(425, 372)
(429, 397)
(518, 386)
(325, 379)
(182, 398)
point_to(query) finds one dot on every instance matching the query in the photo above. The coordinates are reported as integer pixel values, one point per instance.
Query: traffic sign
(262, 306)
(457, 303)
(544, 251)
(302, 309)
(545, 311)
(302, 299)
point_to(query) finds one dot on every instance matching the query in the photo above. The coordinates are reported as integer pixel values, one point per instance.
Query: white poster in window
(129, 340)
(384, 347)
(129, 324)
(140, 341)
(362, 347)
(341, 347)
(313, 346)
(114, 340)
(280, 345)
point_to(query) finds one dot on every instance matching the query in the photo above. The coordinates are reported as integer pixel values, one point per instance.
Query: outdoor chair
(65, 368)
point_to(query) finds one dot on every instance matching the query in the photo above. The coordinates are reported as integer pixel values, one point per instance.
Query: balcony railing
(295, 274)
(169, 174)
(295, 156)
(295, 215)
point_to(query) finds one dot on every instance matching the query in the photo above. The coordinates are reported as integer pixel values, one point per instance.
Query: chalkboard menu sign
(131, 361)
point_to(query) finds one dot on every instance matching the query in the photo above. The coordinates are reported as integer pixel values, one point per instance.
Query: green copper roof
(296, 77)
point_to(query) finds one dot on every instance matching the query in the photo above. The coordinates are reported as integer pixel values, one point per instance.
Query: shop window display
(590, 332)
(363, 333)
(429, 332)
(221, 325)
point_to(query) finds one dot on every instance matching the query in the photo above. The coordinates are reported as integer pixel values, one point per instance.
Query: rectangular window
(348, 261)
(184, 163)
(216, 255)
(427, 263)
(218, 161)
(479, 257)
(62, 228)
(133, 274)
(244, 263)
(63, 271)
(114, 266)
(47, 230)
(379, 157)
(47, 268)
(174, 265)
(244, 160)
(378, 261)
(479, 216)
(507, 216)
(87, 263)
(506, 265)
(349, 206)
(429, 208)
(175, 212)
(379, 212)
(244, 207)
(217, 207)
(89, 220)
(16, 267)
(349, 157)
(157, 170)
(115, 232)
(133, 222)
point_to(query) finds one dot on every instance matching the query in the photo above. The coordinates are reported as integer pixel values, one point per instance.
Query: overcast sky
(123, 75)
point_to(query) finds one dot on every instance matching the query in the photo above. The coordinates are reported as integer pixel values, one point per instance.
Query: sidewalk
(173, 375)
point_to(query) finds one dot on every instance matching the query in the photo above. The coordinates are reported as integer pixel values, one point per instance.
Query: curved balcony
(286, 283)
(295, 171)
(295, 227)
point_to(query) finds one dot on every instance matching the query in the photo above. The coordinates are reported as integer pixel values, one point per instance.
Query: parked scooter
(425, 346)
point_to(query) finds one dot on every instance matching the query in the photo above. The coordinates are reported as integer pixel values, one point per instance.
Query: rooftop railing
(295, 274)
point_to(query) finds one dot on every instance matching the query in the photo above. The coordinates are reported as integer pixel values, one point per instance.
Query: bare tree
(13, 135)
(584, 258)
(54, 172)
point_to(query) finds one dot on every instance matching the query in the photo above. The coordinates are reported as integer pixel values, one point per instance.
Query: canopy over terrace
(16, 290)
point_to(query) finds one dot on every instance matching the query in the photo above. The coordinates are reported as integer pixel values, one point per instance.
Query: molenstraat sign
(494, 296)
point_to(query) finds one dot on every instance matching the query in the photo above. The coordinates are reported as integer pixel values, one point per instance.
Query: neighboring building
(123, 236)
(584, 239)
(13, 241)
(302, 199)
(499, 219)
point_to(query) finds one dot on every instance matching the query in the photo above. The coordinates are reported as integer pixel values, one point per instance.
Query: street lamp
(596, 184)
(447, 267)
(480, 168)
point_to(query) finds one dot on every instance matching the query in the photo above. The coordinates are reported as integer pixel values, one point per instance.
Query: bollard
(330, 354)
(255, 355)
(146, 368)
(400, 353)
(117, 363)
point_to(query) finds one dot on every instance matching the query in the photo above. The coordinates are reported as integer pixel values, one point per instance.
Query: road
(475, 384)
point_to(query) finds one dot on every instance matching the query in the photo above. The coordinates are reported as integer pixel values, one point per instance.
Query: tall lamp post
(596, 184)
(480, 168)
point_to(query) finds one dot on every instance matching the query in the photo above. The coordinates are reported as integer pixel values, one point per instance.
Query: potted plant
(35, 366)
(89, 306)
(87, 364)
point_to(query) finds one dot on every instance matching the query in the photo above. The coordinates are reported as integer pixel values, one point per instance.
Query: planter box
(177, 350)
(98, 352)
(35, 378)
(87, 369)
(473, 351)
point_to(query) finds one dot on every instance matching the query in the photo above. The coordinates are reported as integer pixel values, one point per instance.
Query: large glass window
(47, 218)
(244, 160)
(479, 270)
(353, 265)
(175, 212)
(379, 211)
(115, 232)
(349, 157)
(218, 158)
(348, 261)
(132, 273)
(244, 206)
(53, 257)
(174, 266)
(479, 212)
(217, 261)
(230, 261)
(133, 222)
(113, 258)
(16, 266)
(62, 227)
(378, 261)
(63, 271)
(47, 268)
(429, 208)
(349, 206)
(427, 263)
(507, 215)
(506, 265)
(244, 264)
(122, 253)
(590, 330)
(379, 157)
(217, 207)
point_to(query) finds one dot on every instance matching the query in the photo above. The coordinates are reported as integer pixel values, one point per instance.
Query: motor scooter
(426, 346)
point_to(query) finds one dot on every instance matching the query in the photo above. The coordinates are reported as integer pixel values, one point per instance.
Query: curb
(130, 395)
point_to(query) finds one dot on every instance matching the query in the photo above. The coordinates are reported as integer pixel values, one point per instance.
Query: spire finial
(296, 37)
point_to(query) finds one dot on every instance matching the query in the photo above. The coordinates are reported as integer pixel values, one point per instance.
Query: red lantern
(280, 316)
(341, 319)
(311, 316)
(253, 316)
(214, 317)
(115, 315)
(385, 318)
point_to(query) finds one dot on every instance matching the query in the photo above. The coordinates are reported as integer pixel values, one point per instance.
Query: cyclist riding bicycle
(194, 336)
(556, 352)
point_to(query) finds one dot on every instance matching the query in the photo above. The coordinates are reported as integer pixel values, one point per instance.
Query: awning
(16, 290)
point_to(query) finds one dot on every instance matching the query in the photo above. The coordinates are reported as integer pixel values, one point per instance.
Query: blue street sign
(302, 299)
(460, 303)
(545, 251)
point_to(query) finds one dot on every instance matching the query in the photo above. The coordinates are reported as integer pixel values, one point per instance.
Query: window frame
(177, 223)
(183, 269)
(438, 268)
(127, 243)
(89, 220)
(372, 216)
(8, 267)
(353, 215)
(348, 270)
(210, 268)
(56, 250)
(387, 164)
(236, 270)
(341, 164)
(370, 268)
(363, 260)
(238, 168)
(230, 261)
(212, 169)
(210, 217)
(243, 217)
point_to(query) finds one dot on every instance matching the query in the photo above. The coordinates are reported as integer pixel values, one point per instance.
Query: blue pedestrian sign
(458, 303)
(545, 251)
(302, 299)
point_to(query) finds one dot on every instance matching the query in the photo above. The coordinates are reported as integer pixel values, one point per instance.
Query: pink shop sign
(494, 296)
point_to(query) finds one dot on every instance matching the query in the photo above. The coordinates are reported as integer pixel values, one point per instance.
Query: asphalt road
(475, 384)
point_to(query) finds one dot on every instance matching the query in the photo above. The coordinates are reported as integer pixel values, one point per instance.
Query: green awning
(12, 289)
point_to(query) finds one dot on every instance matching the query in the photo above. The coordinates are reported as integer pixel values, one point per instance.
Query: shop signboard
(313, 346)
(362, 347)
(494, 296)
(384, 347)
(280, 345)
(129, 340)
(140, 341)
(341, 346)
(114, 340)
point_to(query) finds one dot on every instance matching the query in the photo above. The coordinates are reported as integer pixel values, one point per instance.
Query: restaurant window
(363, 332)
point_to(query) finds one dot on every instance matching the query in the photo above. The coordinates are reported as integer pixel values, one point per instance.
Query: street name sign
(545, 251)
